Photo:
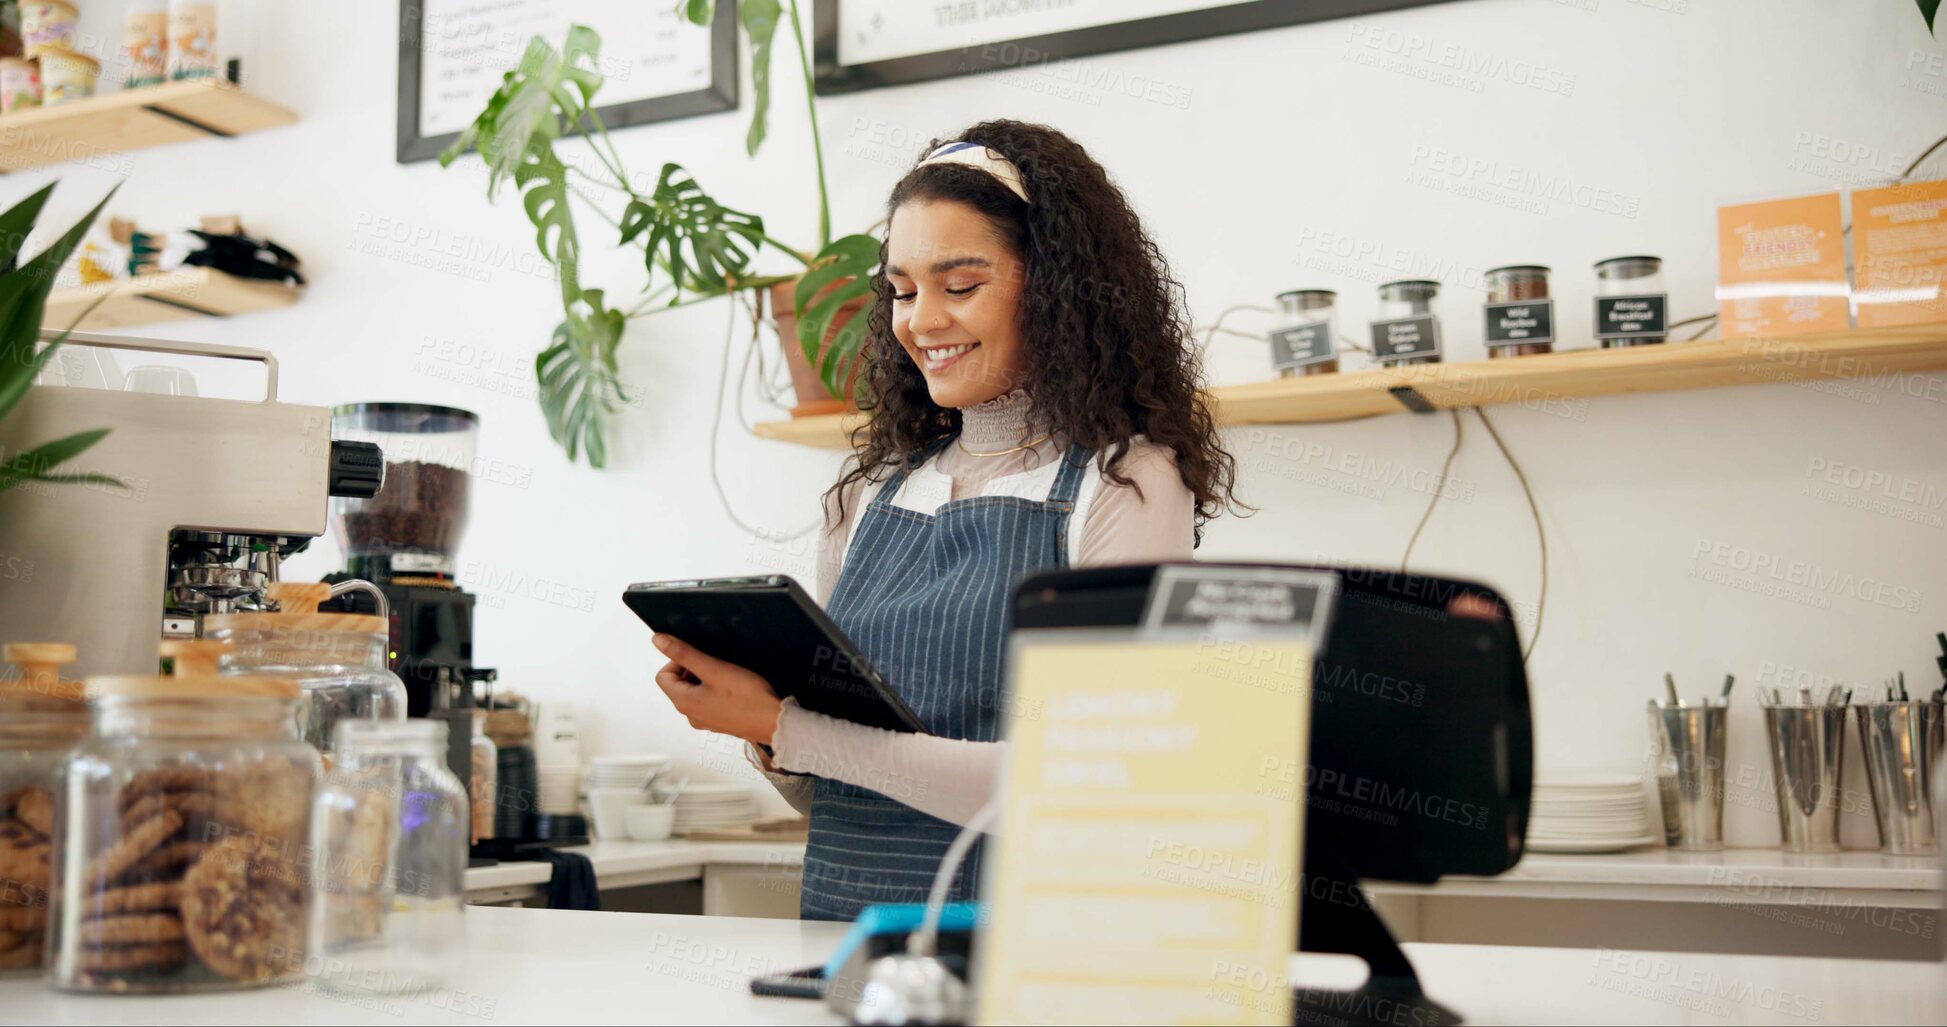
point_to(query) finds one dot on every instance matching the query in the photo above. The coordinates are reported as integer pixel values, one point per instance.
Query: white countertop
(559, 966)
(1762, 876)
(620, 861)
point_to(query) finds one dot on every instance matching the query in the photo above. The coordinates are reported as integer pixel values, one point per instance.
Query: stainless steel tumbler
(1687, 753)
(1808, 746)
(1902, 741)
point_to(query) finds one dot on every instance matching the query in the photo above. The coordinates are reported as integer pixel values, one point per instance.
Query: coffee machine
(403, 539)
(214, 494)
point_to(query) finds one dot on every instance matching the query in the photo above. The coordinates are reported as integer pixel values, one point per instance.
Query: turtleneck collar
(1006, 420)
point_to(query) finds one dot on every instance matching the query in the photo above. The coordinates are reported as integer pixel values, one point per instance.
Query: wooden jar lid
(192, 675)
(40, 666)
(297, 603)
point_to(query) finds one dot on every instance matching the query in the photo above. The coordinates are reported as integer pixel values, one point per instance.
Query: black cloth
(572, 885)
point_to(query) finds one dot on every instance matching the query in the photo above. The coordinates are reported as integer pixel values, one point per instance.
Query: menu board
(1781, 267)
(1145, 868)
(655, 64)
(1899, 245)
(865, 44)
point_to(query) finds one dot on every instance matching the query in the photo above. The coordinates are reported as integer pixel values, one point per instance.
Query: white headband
(974, 155)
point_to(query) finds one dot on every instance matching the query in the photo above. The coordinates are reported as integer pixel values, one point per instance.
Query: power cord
(1439, 486)
(716, 428)
(1541, 535)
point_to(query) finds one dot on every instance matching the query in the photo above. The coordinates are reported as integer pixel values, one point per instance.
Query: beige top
(1150, 520)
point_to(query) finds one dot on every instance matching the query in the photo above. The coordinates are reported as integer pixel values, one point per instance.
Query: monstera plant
(693, 247)
(23, 302)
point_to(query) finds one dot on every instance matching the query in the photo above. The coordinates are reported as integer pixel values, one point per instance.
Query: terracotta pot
(813, 398)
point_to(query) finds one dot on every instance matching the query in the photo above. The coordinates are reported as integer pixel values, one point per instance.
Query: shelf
(1753, 876)
(1551, 382)
(190, 292)
(84, 131)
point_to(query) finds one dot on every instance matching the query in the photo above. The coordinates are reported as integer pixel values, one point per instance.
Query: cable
(1439, 485)
(716, 426)
(1924, 154)
(1210, 330)
(1541, 535)
(925, 941)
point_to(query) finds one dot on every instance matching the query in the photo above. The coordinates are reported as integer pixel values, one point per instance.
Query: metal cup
(1902, 742)
(1687, 753)
(1808, 747)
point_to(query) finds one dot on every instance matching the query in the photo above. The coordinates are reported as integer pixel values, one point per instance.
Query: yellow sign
(1145, 869)
(1899, 245)
(1781, 267)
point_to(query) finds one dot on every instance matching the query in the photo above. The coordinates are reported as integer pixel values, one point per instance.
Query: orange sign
(1781, 267)
(1899, 245)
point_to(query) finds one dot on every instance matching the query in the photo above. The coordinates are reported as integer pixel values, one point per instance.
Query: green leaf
(578, 385)
(16, 223)
(699, 12)
(545, 95)
(760, 19)
(23, 301)
(704, 245)
(543, 180)
(845, 268)
(1929, 8)
(38, 463)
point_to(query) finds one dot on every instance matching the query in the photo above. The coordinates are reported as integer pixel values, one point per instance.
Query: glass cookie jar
(391, 826)
(182, 860)
(337, 659)
(42, 719)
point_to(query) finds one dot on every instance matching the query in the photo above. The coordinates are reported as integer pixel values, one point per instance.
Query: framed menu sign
(655, 64)
(866, 44)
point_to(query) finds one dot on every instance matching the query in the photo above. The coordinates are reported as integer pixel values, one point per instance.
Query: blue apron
(925, 598)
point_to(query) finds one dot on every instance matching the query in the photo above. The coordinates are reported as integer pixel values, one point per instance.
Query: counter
(557, 966)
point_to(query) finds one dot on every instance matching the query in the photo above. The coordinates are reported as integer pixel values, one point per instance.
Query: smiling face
(956, 288)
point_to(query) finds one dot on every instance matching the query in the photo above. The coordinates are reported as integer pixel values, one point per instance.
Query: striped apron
(925, 598)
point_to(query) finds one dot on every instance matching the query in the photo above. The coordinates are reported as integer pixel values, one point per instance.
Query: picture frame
(714, 88)
(979, 55)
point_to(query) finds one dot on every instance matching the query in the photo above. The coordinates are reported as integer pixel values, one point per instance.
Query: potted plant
(23, 300)
(693, 247)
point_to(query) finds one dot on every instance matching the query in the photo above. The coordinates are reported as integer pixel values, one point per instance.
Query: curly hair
(1102, 321)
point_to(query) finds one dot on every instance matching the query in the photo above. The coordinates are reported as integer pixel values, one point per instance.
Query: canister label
(1301, 344)
(1520, 323)
(1406, 337)
(1628, 317)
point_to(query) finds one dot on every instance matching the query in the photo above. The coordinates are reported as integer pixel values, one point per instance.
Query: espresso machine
(403, 539)
(214, 494)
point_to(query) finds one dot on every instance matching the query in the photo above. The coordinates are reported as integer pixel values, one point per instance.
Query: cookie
(22, 919)
(123, 959)
(36, 810)
(243, 910)
(8, 798)
(129, 849)
(23, 869)
(135, 898)
(134, 929)
(26, 952)
(201, 812)
(169, 779)
(165, 863)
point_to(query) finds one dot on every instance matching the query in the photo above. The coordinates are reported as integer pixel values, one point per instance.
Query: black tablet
(769, 625)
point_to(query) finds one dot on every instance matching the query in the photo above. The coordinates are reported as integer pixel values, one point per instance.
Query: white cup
(651, 823)
(611, 806)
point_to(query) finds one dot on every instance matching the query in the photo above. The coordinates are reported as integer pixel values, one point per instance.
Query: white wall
(1301, 158)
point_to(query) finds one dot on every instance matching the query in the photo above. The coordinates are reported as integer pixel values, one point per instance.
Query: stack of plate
(624, 771)
(555, 787)
(1589, 813)
(707, 807)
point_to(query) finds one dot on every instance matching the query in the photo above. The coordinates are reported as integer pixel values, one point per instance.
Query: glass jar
(1301, 307)
(180, 861)
(1632, 276)
(485, 778)
(1514, 285)
(42, 719)
(1412, 297)
(412, 527)
(390, 826)
(337, 659)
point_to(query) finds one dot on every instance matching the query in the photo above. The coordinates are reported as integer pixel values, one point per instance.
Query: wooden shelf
(85, 131)
(190, 292)
(1552, 382)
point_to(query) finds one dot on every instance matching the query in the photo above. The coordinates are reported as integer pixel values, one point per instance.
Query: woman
(1031, 404)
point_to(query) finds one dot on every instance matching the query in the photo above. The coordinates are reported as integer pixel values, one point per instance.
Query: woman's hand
(716, 695)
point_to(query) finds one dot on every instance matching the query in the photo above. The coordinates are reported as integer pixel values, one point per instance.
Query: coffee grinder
(403, 540)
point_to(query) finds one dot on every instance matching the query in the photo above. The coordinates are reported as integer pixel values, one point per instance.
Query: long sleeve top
(1150, 520)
